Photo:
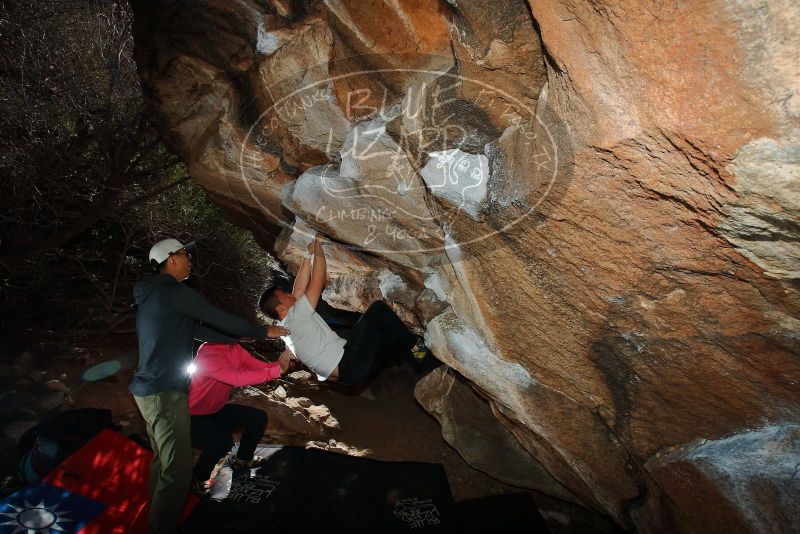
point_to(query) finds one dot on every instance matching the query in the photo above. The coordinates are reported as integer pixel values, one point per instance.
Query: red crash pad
(111, 470)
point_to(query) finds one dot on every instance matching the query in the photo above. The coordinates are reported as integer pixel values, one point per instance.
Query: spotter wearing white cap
(165, 248)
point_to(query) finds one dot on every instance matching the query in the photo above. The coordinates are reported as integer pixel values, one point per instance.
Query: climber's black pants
(366, 350)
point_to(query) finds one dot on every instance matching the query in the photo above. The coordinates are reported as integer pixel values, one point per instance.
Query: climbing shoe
(420, 350)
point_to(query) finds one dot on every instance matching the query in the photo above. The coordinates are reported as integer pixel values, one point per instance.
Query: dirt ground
(383, 422)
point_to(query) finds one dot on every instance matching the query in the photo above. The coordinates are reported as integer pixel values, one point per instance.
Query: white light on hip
(191, 368)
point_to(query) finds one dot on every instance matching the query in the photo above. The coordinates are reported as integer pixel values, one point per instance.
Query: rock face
(470, 426)
(591, 209)
(746, 481)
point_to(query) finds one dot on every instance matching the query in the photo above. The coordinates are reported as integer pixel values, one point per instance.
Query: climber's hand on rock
(285, 360)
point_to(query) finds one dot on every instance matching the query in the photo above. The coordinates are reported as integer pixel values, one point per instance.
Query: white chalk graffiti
(417, 512)
(253, 489)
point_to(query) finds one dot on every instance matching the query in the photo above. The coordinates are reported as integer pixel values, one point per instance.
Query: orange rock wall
(590, 209)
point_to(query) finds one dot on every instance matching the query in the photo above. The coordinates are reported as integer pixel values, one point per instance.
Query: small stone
(332, 423)
(298, 402)
(57, 385)
(280, 392)
(300, 376)
(318, 411)
(37, 376)
(250, 391)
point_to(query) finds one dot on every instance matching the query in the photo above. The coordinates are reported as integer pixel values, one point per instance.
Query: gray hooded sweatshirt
(169, 317)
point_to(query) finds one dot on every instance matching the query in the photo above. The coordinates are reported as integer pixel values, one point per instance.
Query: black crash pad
(509, 514)
(298, 490)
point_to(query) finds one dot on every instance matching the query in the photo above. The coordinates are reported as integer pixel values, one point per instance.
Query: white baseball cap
(165, 248)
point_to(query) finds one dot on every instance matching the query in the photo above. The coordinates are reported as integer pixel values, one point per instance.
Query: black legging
(212, 433)
(378, 325)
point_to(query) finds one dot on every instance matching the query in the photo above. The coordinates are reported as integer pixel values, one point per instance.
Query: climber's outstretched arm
(319, 274)
(303, 275)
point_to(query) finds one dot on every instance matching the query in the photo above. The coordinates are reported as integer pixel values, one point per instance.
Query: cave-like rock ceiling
(590, 208)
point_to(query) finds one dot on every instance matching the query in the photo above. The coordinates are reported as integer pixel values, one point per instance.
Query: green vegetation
(88, 185)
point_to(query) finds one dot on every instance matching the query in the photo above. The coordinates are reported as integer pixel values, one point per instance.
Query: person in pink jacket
(218, 368)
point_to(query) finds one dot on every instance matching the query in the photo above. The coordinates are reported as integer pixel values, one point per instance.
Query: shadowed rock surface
(590, 208)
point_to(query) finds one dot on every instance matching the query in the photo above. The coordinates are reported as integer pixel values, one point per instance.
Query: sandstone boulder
(470, 427)
(618, 280)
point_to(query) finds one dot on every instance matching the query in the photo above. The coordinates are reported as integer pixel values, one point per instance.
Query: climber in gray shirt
(315, 344)
(169, 317)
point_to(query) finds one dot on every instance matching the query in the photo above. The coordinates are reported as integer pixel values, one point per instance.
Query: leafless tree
(86, 185)
(75, 143)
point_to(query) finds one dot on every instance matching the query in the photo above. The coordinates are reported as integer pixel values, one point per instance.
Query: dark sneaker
(239, 468)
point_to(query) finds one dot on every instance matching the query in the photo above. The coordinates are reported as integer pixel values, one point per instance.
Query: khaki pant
(167, 418)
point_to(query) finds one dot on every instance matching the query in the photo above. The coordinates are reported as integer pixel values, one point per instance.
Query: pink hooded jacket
(219, 368)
